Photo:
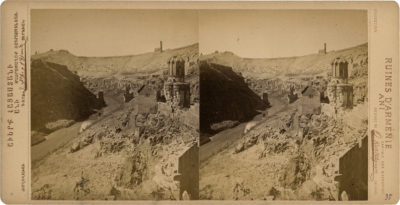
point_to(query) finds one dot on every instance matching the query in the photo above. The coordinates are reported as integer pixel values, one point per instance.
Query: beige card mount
(213, 102)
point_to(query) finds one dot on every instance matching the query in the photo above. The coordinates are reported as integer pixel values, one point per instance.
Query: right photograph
(283, 104)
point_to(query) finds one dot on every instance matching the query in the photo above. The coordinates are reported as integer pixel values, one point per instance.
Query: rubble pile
(312, 143)
(166, 171)
(44, 193)
(276, 142)
(297, 171)
(144, 148)
(134, 171)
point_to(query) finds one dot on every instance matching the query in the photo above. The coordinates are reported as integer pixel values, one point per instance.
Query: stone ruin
(340, 92)
(159, 49)
(265, 99)
(128, 96)
(100, 99)
(188, 174)
(353, 177)
(322, 51)
(310, 101)
(176, 90)
(292, 97)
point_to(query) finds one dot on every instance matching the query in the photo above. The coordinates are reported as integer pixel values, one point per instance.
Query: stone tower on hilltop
(176, 90)
(323, 51)
(340, 92)
(159, 49)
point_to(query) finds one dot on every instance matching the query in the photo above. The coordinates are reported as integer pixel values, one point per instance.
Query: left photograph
(114, 104)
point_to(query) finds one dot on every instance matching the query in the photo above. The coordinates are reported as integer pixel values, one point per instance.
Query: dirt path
(60, 137)
(227, 138)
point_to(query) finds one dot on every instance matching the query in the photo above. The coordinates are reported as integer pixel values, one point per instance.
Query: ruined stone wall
(189, 170)
(310, 105)
(168, 91)
(353, 167)
(344, 95)
(181, 95)
(190, 117)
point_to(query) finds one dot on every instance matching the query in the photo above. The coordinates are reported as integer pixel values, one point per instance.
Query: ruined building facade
(340, 92)
(176, 90)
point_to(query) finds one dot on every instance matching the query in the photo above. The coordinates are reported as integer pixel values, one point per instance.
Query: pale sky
(111, 32)
(280, 33)
(253, 34)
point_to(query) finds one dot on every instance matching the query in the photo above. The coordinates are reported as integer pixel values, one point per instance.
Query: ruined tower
(176, 90)
(176, 67)
(340, 92)
(340, 70)
(322, 51)
(159, 49)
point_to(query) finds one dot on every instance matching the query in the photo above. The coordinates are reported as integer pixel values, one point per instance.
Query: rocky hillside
(291, 156)
(130, 153)
(225, 96)
(121, 65)
(58, 94)
(313, 64)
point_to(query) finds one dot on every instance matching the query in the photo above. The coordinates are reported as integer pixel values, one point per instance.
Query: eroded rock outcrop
(57, 94)
(225, 96)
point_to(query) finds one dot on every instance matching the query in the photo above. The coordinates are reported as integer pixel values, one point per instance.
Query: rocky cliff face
(225, 96)
(58, 94)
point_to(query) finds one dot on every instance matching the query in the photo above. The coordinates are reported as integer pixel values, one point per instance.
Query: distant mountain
(225, 96)
(58, 94)
(121, 65)
(312, 64)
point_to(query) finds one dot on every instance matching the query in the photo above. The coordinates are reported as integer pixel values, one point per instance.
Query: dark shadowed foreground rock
(57, 93)
(225, 96)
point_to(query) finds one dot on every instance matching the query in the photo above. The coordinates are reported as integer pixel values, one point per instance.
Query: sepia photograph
(114, 104)
(284, 104)
(201, 102)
